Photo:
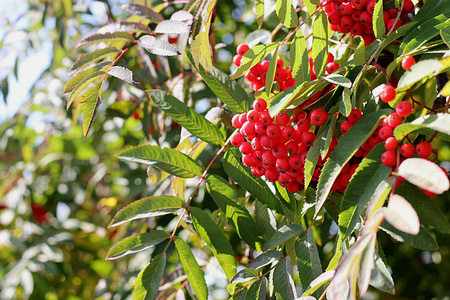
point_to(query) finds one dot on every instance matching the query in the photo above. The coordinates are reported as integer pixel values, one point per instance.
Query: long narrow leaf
(197, 124)
(191, 268)
(320, 43)
(147, 207)
(308, 260)
(147, 282)
(214, 237)
(169, 160)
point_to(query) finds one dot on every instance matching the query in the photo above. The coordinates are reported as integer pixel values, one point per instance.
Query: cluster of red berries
(256, 76)
(402, 110)
(355, 16)
(276, 149)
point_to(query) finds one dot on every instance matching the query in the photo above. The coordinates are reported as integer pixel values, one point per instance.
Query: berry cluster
(276, 149)
(256, 76)
(355, 16)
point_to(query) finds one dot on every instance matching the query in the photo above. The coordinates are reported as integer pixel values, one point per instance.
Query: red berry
(345, 126)
(256, 144)
(391, 22)
(235, 121)
(408, 62)
(347, 22)
(308, 138)
(246, 148)
(393, 120)
(404, 109)
(273, 131)
(331, 67)
(237, 59)
(283, 119)
(242, 48)
(280, 63)
(334, 18)
(424, 149)
(271, 175)
(295, 161)
(259, 105)
(282, 164)
(355, 115)
(357, 29)
(303, 125)
(407, 150)
(288, 132)
(330, 58)
(318, 117)
(243, 118)
(366, 18)
(253, 116)
(279, 151)
(388, 93)
(248, 130)
(389, 158)
(408, 6)
(358, 4)
(266, 142)
(391, 144)
(237, 139)
(385, 132)
(291, 147)
(371, 6)
(266, 118)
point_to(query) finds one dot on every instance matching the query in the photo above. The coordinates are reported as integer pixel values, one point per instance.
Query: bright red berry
(248, 130)
(274, 131)
(391, 144)
(253, 116)
(304, 125)
(308, 138)
(385, 132)
(355, 115)
(393, 120)
(404, 109)
(318, 117)
(389, 158)
(259, 105)
(288, 132)
(266, 118)
(424, 149)
(407, 62)
(345, 126)
(388, 93)
(235, 121)
(237, 139)
(242, 49)
(283, 119)
(407, 150)
(237, 59)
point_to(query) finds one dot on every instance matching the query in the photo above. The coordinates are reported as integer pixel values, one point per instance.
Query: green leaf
(130, 27)
(81, 76)
(445, 35)
(215, 239)
(191, 268)
(381, 278)
(187, 117)
(265, 220)
(265, 259)
(311, 160)
(283, 234)
(157, 46)
(270, 75)
(244, 275)
(146, 208)
(361, 188)
(258, 290)
(378, 21)
(299, 58)
(143, 11)
(137, 243)
(259, 10)
(323, 278)
(328, 135)
(423, 240)
(252, 57)
(124, 74)
(284, 281)
(166, 159)
(345, 150)
(424, 32)
(308, 260)
(228, 91)
(437, 122)
(359, 58)
(90, 102)
(345, 106)
(147, 282)
(93, 56)
(106, 37)
(286, 13)
(238, 216)
(428, 212)
(320, 43)
(255, 186)
(419, 72)
(339, 80)
(424, 174)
